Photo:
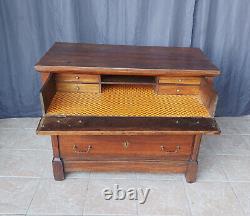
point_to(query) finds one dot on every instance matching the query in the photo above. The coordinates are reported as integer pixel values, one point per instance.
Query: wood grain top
(126, 60)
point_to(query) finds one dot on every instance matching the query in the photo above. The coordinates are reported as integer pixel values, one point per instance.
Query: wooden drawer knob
(164, 149)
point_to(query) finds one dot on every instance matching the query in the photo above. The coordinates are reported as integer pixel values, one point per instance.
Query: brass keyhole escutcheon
(125, 144)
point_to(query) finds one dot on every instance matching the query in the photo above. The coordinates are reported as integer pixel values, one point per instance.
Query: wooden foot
(191, 171)
(58, 170)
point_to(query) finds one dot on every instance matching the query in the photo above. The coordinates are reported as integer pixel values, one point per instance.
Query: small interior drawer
(178, 90)
(118, 147)
(179, 80)
(77, 87)
(84, 78)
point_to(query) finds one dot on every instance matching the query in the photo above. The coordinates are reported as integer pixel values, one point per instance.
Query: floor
(27, 186)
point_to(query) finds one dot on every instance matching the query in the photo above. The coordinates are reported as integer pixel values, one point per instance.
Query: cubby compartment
(122, 96)
(128, 80)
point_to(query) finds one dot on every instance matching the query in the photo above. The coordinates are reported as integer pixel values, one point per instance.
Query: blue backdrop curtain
(29, 27)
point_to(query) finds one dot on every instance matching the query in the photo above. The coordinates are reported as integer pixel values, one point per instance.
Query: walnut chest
(126, 108)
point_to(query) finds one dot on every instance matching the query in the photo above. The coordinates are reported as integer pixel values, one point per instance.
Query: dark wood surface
(208, 95)
(47, 92)
(125, 147)
(58, 169)
(57, 163)
(191, 172)
(127, 166)
(123, 59)
(74, 125)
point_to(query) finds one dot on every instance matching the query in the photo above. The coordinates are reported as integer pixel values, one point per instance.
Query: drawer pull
(77, 77)
(77, 88)
(75, 149)
(177, 90)
(169, 151)
(125, 144)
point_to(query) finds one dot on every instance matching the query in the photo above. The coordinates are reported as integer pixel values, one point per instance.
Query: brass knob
(77, 77)
(177, 90)
(125, 144)
(180, 80)
(77, 88)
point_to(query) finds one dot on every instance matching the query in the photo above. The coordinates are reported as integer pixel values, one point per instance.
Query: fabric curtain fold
(28, 28)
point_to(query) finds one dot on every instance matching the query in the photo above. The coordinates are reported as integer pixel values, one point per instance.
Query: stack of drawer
(78, 83)
(178, 85)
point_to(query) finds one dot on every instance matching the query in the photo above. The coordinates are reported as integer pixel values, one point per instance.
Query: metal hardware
(77, 88)
(169, 151)
(77, 77)
(180, 80)
(75, 149)
(125, 144)
(177, 90)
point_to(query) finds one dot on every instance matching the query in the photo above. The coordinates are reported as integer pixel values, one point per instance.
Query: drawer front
(75, 87)
(180, 80)
(178, 90)
(78, 78)
(124, 147)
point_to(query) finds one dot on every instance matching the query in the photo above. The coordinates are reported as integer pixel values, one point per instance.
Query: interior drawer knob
(164, 149)
(77, 88)
(76, 150)
(179, 80)
(125, 144)
(77, 77)
(178, 90)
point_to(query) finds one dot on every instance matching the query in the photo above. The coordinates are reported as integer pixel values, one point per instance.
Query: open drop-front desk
(126, 108)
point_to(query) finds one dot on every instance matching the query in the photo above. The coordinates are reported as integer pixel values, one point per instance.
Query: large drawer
(124, 147)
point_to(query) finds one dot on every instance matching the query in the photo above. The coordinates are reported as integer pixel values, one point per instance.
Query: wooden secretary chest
(126, 108)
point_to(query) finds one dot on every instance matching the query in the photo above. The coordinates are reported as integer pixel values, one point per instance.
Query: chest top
(126, 60)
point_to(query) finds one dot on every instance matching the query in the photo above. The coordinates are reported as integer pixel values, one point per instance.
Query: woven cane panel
(127, 100)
